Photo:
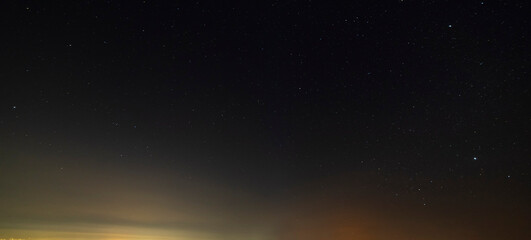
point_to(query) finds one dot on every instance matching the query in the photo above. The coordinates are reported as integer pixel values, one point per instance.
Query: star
(475, 158)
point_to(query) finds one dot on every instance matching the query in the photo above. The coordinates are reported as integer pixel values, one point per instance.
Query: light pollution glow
(92, 203)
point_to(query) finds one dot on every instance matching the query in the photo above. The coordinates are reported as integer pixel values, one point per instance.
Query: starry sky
(266, 120)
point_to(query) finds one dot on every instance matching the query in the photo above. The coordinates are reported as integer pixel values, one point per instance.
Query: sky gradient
(288, 120)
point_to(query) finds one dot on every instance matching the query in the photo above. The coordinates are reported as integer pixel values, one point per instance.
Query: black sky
(266, 108)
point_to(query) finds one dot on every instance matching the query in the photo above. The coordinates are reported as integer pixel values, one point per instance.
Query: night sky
(260, 120)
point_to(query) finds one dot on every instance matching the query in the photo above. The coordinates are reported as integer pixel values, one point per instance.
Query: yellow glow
(63, 235)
